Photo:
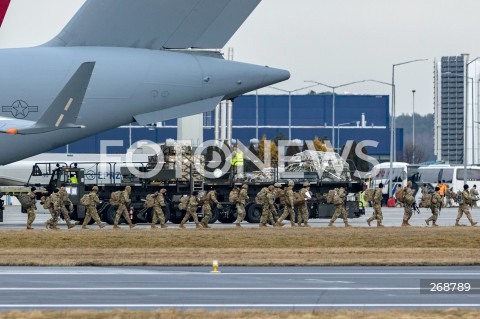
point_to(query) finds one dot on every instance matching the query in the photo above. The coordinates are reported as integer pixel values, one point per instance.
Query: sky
(329, 41)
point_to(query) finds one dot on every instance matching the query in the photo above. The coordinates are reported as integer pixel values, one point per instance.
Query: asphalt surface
(271, 288)
(13, 219)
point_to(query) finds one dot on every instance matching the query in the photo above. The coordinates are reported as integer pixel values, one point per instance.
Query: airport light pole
(290, 105)
(413, 128)
(338, 128)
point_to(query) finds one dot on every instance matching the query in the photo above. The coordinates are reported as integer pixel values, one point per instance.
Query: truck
(180, 176)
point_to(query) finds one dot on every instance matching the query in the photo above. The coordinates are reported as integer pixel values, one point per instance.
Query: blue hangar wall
(311, 116)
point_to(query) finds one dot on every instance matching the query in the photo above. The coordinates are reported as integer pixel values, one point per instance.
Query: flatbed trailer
(176, 189)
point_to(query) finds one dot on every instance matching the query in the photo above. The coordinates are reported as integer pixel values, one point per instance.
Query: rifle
(415, 208)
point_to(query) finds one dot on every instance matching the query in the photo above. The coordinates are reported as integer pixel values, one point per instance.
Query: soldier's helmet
(465, 187)
(291, 183)
(245, 186)
(163, 191)
(278, 185)
(271, 188)
(128, 188)
(95, 188)
(306, 184)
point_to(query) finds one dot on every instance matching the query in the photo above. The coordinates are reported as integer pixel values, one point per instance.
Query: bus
(453, 176)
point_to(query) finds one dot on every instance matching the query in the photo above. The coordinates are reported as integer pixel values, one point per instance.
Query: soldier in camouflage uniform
(339, 204)
(48, 204)
(377, 207)
(407, 208)
(31, 210)
(289, 208)
(463, 209)
(192, 206)
(122, 208)
(448, 197)
(157, 209)
(60, 203)
(209, 200)
(267, 207)
(242, 201)
(435, 207)
(474, 196)
(92, 209)
(303, 214)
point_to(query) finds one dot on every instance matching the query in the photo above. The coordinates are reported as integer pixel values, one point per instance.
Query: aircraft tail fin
(156, 24)
(3, 10)
(63, 112)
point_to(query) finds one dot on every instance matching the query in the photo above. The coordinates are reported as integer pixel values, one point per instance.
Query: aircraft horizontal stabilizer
(62, 113)
(3, 9)
(156, 24)
(178, 111)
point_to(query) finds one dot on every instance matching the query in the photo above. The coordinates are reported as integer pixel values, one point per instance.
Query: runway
(15, 220)
(270, 288)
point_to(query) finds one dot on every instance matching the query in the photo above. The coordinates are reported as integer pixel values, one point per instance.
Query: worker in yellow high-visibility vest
(237, 162)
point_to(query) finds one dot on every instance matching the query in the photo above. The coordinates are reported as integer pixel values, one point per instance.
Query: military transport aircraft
(153, 60)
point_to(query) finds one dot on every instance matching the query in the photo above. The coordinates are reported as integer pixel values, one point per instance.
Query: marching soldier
(157, 209)
(60, 203)
(407, 208)
(463, 209)
(48, 204)
(122, 208)
(474, 196)
(92, 209)
(303, 208)
(267, 207)
(448, 197)
(52, 200)
(339, 203)
(209, 200)
(435, 207)
(33, 206)
(377, 207)
(192, 206)
(241, 202)
(289, 208)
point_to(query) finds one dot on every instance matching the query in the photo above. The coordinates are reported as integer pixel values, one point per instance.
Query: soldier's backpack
(233, 196)
(400, 195)
(298, 199)
(183, 203)
(47, 202)
(282, 197)
(261, 197)
(25, 201)
(369, 195)
(85, 200)
(409, 199)
(115, 198)
(460, 200)
(426, 201)
(331, 195)
(150, 200)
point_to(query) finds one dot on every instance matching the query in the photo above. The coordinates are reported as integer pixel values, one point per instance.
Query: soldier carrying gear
(31, 209)
(122, 208)
(92, 209)
(158, 214)
(474, 195)
(192, 206)
(53, 199)
(435, 207)
(377, 207)
(408, 207)
(61, 201)
(241, 202)
(448, 197)
(303, 214)
(339, 203)
(463, 209)
(268, 204)
(289, 206)
(208, 200)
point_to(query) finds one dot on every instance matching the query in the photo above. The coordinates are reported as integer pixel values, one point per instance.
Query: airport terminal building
(357, 117)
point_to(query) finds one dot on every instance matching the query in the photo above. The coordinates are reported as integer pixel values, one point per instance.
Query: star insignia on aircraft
(20, 109)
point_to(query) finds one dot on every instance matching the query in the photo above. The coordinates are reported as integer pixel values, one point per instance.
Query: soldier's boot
(29, 227)
(102, 225)
(368, 222)
(47, 225)
(237, 225)
(293, 225)
(163, 226)
(306, 225)
(84, 227)
(261, 225)
(408, 224)
(70, 226)
(331, 224)
(279, 224)
(132, 226)
(116, 227)
(427, 221)
(347, 224)
(472, 222)
(434, 224)
(379, 224)
(53, 227)
(198, 226)
(404, 224)
(154, 226)
(181, 226)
